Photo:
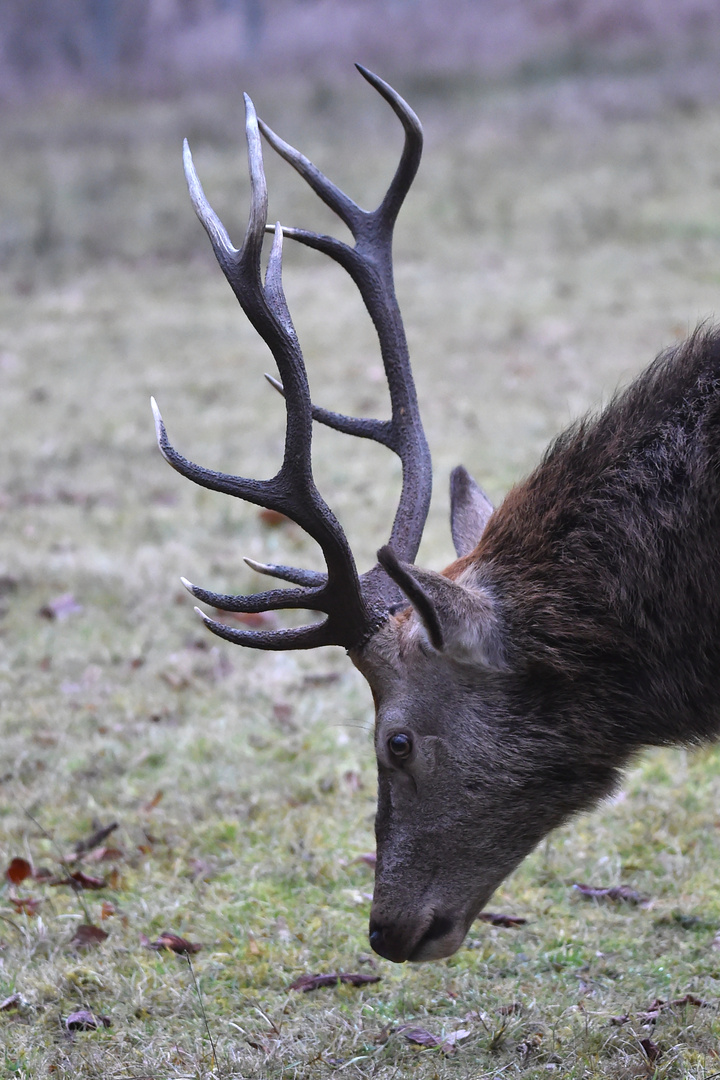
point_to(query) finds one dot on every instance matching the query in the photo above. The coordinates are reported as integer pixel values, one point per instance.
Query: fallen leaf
(497, 919)
(86, 936)
(107, 910)
(352, 780)
(512, 1009)
(62, 607)
(173, 942)
(449, 1044)
(18, 870)
(8, 584)
(201, 870)
(618, 1021)
(84, 1020)
(256, 619)
(114, 880)
(418, 1035)
(283, 714)
(273, 518)
(42, 873)
(104, 854)
(652, 1050)
(153, 802)
(313, 982)
(95, 839)
(369, 858)
(615, 894)
(320, 678)
(25, 905)
(10, 1003)
(80, 880)
(650, 1015)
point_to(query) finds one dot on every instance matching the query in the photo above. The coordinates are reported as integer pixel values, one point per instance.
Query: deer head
(458, 805)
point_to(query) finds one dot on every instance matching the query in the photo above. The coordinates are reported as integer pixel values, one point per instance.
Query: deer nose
(396, 944)
(388, 943)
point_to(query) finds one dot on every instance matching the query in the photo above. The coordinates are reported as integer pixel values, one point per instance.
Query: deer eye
(400, 746)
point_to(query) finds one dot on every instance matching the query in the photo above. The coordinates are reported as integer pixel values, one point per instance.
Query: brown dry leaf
(352, 780)
(319, 678)
(114, 880)
(689, 999)
(418, 1036)
(107, 910)
(42, 873)
(254, 619)
(104, 854)
(84, 1020)
(369, 858)
(153, 802)
(10, 1003)
(25, 905)
(615, 894)
(18, 870)
(512, 1009)
(173, 942)
(652, 1051)
(650, 1015)
(495, 918)
(283, 714)
(81, 880)
(201, 869)
(314, 982)
(87, 936)
(449, 1044)
(618, 1021)
(95, 839)
(273, 518)
(62, 607)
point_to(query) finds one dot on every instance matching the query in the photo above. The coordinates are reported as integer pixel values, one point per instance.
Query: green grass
(551, 246)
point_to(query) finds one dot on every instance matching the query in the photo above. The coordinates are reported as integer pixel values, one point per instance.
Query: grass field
(557, 237)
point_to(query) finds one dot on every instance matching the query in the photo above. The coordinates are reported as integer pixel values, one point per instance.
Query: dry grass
(555, 240)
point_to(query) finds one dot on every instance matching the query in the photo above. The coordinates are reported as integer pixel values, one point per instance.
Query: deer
(579, 623)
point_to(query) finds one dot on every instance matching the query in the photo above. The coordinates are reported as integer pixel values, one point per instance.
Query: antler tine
(271, 600)
(309, 578)
(303, 637)
(351, 618)
(369, 263)
(412, 150)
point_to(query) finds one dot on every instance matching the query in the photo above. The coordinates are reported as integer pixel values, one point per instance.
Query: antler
(354, 606)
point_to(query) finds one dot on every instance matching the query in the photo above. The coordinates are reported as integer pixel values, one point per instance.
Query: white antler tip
(258, 567)
(188, 584)
(205, 618)
(275, 383)
(159, 426)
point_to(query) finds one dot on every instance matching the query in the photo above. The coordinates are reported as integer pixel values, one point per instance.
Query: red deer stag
(580, 622)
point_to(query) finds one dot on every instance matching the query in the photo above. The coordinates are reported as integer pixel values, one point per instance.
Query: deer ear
(470, 509)
(459, 621)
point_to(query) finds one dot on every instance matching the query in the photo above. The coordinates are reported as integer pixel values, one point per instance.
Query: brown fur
(596, 631)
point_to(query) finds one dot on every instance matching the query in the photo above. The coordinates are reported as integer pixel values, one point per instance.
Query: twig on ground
(202, 1009)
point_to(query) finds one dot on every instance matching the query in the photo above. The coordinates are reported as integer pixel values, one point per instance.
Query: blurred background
(164, 45)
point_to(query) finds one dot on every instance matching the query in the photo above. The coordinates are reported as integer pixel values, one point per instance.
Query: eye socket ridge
(400, 745)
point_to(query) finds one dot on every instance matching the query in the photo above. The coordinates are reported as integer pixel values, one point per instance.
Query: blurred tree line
(161, 44)
(98, 39)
